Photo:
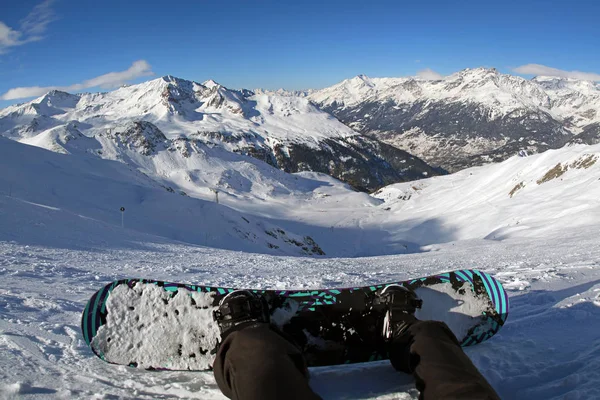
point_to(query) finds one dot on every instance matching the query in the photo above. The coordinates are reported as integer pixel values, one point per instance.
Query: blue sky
(289, 44)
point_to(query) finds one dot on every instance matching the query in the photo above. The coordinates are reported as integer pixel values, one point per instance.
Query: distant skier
(258, 361)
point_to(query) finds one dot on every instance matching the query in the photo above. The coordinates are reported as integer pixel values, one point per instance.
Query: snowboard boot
(240, 309)
(401, 304)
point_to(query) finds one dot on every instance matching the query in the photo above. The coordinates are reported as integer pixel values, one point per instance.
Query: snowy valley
(259, 190)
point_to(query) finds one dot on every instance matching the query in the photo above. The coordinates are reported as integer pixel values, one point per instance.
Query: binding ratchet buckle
(399, 298)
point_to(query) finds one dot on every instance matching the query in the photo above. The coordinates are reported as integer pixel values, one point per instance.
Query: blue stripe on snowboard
(469, 274)
(496, 297)
(86, 313)
(463, 277)
(500, 305)
(490, 290)
(444, 277)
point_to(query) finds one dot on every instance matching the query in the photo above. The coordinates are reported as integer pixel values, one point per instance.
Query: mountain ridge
(469, 118)
(472, 117)
(287, 132)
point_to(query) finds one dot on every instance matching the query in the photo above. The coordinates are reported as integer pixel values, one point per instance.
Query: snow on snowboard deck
(169, 326)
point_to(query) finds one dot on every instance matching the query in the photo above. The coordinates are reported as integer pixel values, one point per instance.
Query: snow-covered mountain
(469, 118)
(288, 132)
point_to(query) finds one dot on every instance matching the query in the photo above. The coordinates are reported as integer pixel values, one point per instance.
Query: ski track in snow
(549, 348)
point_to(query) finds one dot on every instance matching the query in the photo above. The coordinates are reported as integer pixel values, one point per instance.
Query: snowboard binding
(401, 304)
(241, 307)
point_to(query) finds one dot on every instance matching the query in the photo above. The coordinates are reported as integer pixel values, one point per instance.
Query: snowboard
(169, 326)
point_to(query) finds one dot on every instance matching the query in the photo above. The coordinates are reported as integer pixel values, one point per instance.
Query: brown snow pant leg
(256, 363)
(442, 370)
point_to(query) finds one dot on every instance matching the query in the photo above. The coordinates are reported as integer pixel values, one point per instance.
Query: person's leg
(430, 351)
(255, 362)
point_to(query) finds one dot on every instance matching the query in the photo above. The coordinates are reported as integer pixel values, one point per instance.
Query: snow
(548, 348)
(82, 185)
(573, 98)
(501, 94)
(461, 309)
(529, 223)
(147, 312)
(178, 108)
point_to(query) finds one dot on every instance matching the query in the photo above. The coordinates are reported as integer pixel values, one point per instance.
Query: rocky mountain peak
(142, 136)
(210, 84)
(478, 72)
(174, 80)
(58, 94)
(361, 80)
(54, 100)
(362, 77)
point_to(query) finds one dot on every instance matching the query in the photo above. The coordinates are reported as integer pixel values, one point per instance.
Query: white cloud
(538, 69)
(32, 27)
(429, 75)
(107, 81)
(8, 36)
(36, 21)
(113, 79)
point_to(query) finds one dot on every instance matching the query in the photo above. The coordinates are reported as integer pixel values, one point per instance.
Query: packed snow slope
(77, 192)
(549, 348)
(530, 221)
(523, 196)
